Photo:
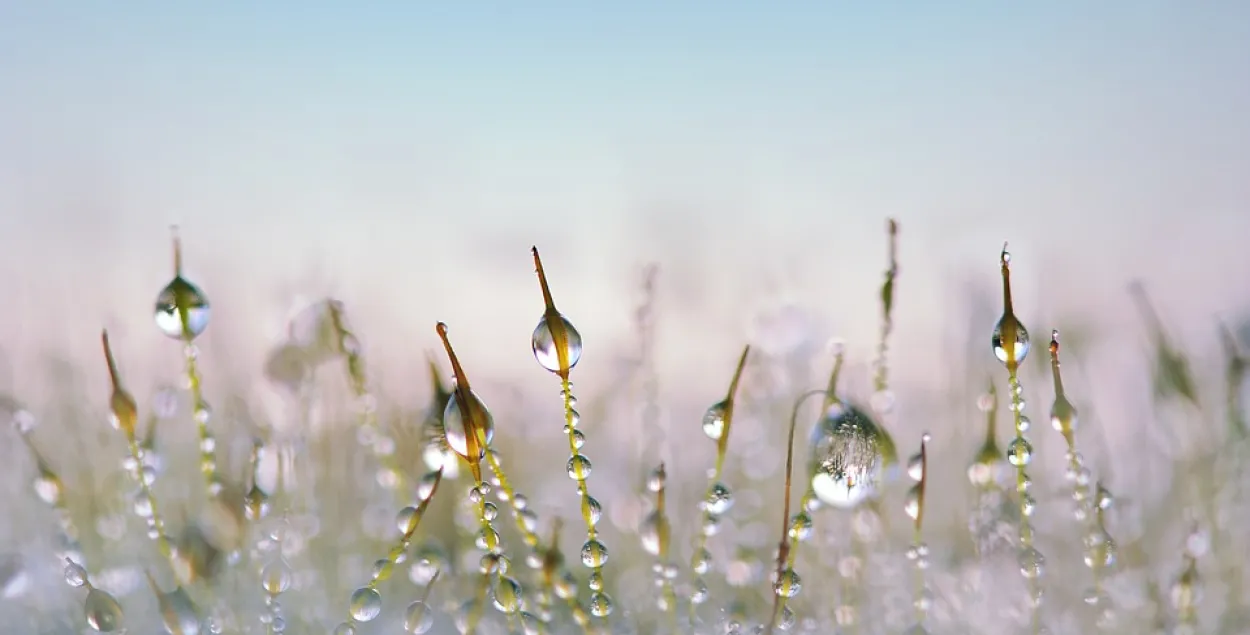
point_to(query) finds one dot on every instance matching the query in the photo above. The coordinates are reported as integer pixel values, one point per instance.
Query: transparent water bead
(543, 343)
(418, 618)
(507, 595)
(1020, 452)
(600, 604)
(594, 554)
(365, 604)
(845, 461)
(181, 293)
(579, 467)
(1019, 346)
(102, 611)
(276, 577)
(719, 499)
(714, 421)
(788, 584)
(454, 425)
(652, 532)
(75, 575)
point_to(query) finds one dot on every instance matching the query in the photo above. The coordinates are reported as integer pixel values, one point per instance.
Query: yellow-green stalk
(656, 534)
(1010, 344)
(379, 442)
(182, 313)
(469, 428)
(717, 424)
(557, 347)
(124, 417)
(918, 553)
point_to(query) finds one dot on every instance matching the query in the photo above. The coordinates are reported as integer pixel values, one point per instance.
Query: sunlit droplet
(180, 295)
(365, 605)
(546, 352)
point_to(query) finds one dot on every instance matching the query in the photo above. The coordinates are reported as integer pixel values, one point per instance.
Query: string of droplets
(1090, 500)
(182, 313)
(50, 489)
(469, 428)
(991, 521)
(1186, 592)
(1010, 344)
(275, 578)
(123, 415)
(368, 433)
(527, 523)
(557, 347)
(918, 552)
(365, 603)
(718, 499)
(655, 534)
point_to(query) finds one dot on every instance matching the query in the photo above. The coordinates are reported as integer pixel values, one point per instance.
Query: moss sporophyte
(303, 528)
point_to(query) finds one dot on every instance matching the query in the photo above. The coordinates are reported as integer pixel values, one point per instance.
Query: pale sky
(404, 156)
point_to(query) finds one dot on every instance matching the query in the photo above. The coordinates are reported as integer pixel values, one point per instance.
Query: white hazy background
(404, 160)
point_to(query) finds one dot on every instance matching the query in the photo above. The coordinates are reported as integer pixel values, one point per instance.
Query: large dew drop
(652, 533)
(180, 293)
(454, 425)
(1020, 346)
(103, 612)
(365, 605)
(714, 421)
(845, 462)
(545, 349)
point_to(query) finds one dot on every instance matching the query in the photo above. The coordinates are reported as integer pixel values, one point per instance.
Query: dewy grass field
(815, 514)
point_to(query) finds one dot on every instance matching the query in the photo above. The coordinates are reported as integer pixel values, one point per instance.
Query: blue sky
(751, 147)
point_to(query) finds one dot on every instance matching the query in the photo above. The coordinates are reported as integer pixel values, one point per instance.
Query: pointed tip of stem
(114, 375)
(542, 281)
(176, 241)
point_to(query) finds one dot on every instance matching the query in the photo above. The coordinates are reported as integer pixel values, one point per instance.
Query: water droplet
(1019, 452)
(845, 461)
(655, 480)
(719, 499)
(652, 533)
(788, 584)
(507, 595)
(344, 629)
(23, 421)
(49, 490)
(1032, 563)
(276, 577)
(911, 506)
(544, 345)
(600, 604)
(102, 611)
(454, 425)
(178, 296)
(915, 467)
(1063, 416)
(75, 575)
(418, 618)
(801, 526)
(1020, 346)
(406, 519)
(714, 421)
(579, 467)
(365, 605)
(594, 554)
(702, 562)
(490, 511)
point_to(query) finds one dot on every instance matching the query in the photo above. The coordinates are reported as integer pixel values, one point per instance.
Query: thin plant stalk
(124, 417)
(380, 444)
(1010, 343)
(717, 424)
(558, 347)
